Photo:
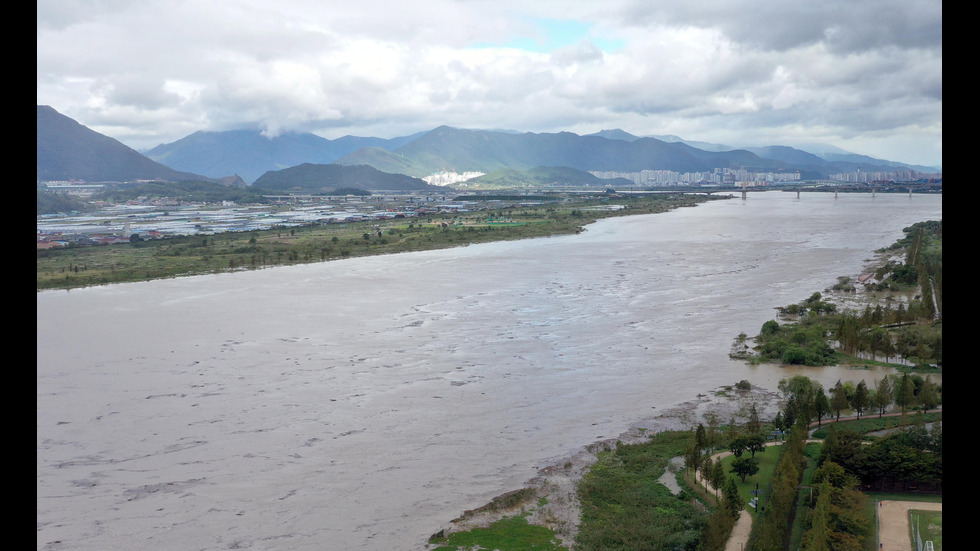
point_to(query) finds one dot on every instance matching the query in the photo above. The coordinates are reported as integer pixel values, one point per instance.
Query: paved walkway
(740, 533)
(893, 523)
(743, 526)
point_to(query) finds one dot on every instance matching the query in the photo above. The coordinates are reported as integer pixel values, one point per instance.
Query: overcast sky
(866, 76)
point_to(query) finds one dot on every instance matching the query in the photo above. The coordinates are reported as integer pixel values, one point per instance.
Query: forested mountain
(67, 150)
(542, 176)
(318, 178)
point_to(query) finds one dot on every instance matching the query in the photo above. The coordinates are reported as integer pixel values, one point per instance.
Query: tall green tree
(755, 444)
(706, 467)
(717, 478)
(692, 458)
(733, 501)
(712, 430)
(701, 436)
(772, 522)
(745, 467)
(739, 445)
(837, 522)
(883, 395)
(838, 399)
(928, 395)
(877, 339)
(800, 392)
(905, 393)
(861, 399)
(821, 405)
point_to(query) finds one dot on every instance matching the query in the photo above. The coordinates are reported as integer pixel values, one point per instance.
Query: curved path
(743, 526)
(740, 533)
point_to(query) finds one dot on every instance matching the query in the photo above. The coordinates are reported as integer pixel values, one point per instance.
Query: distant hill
(199, 192)
(541, 176)
(707, 146)
(251, 154)
(67, 150)
(870, 163)
(616, 134)
(53, 203)
(386, 161)
(318, 178)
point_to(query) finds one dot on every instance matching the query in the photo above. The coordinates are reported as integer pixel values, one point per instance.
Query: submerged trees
(815, 332)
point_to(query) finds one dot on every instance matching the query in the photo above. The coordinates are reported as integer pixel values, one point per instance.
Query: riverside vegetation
(813, 493)
(203, 254)
(901, 317)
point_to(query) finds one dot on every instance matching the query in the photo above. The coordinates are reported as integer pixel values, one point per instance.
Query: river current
(362, 403)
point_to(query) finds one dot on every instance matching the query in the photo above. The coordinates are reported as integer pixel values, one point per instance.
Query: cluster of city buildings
(862, 177)
(735, 177)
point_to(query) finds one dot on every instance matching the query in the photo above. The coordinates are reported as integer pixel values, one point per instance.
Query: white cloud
(724, 67)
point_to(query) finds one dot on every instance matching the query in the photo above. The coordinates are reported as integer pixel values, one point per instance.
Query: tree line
(891, 328)
(807, 400)
(834, 518)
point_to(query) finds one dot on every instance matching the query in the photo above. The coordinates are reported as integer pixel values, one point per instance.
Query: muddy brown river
(362, 403)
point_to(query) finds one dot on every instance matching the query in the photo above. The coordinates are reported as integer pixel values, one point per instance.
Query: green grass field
(930, 525)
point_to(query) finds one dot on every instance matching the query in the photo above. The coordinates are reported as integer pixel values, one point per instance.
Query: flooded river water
(362, 403)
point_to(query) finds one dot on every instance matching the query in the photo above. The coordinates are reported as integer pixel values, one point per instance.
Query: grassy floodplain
(204, 254)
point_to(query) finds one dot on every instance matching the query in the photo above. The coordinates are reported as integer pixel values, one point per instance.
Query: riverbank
(72, 267)
(362, 404)
(551, 499)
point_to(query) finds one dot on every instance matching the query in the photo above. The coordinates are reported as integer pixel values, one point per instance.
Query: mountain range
(68, 150)
(250, 154)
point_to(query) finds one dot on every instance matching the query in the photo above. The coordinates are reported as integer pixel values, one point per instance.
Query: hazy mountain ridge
(250, 154)
(69, 150)
(810, 155)
(448, 148)
(479, 150)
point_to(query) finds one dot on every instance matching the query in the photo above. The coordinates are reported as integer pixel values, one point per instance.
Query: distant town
(155, 217)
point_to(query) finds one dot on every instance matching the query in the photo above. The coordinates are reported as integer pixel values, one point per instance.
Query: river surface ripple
(362, 403)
